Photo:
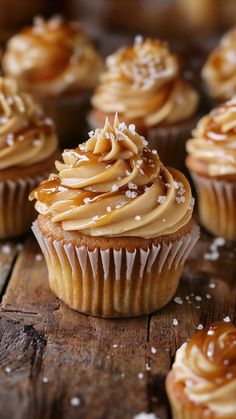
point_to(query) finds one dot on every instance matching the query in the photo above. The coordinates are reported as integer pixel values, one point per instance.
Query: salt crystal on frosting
(175, 322)
(132, 129)
(227, 319)
(115, 188)
(138, 217)
(161, 199)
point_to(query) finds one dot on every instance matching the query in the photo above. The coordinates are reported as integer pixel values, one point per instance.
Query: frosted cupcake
(219, 71)
(212, 163)
(115, 225)
(144, 84)
(56, 62)
(28, 145)
(202, 382)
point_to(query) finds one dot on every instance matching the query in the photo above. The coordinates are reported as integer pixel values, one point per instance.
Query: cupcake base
(109, 277)
(216, 204)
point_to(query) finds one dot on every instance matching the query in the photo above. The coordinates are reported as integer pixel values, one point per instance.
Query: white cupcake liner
(217, 206)
(115, 283)
(170, 142)
(16, 212)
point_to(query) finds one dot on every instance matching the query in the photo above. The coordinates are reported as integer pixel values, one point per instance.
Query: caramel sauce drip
(218, 344)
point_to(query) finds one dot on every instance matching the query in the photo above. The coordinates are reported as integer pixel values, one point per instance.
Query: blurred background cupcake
(212, 163)
(144, 84)
(219, 71)
(54, 61)
(28, 148)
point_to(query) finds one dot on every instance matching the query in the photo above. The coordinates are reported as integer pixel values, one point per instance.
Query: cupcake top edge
(52, 57)
(206, 365)
(27, 137)
(143, 81)
(213, 143)
(219, 69)
(113, 185)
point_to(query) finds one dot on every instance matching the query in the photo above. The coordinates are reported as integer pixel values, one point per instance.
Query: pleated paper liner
(16, 212)
(182, 407)
(115, 283)
(217, 205)
(170, 142)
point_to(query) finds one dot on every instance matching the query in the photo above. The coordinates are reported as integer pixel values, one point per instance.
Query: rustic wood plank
(8, 251)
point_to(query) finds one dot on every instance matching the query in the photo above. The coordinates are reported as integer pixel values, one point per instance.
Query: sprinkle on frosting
(100, 191)
(26, 137)
(52, 57)
(214, 140)
(206, 365)
(143, 81)
(219, 71)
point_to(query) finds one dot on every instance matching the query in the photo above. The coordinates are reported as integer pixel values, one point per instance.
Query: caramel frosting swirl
(52, 58)
(113, 185)
(214, 140)
(219, 71)
(207, 368)
(143, 81)
(26, 136)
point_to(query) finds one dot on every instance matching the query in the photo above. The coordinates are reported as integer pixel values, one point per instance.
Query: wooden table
(56, 363)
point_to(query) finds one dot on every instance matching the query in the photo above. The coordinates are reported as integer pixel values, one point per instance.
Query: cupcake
(28, 146)
(219, 71)
(212, 163)
(143, 83)
(54, 61)
(115, 225)
(202, 382)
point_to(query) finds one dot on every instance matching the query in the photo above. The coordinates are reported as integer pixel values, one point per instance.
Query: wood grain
(116, 368)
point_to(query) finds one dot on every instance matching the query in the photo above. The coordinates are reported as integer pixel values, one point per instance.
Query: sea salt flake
(143, 415)
(91, 133)
(208, 296)
(212, 285)
(75, 401)
(138, 39)
(178, 300)
(122, 126)
(200, 327)
(161, 199)
(148, 367)
(115, 188)
(6, 249)
(175, 322)
(137, 217)
(198, 298)
(132, 129)
(140, 375)
(154, 151)
(38, 257)
(45, 380)
(132, 185)
(227, 319)
(7, 370)
(108, 209)
(153, 350)
(95, 218)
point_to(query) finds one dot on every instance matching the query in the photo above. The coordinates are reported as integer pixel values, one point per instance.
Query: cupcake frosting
(52, 58)
(26, 136)
(143, 81)
(113, 185)
(207, 367)
(219, 71)
(214, 140)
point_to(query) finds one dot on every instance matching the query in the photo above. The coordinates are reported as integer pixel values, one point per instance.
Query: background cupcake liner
(216, 204)
(69, 116)
(16, 212)
(170, 142)
(115, 283)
